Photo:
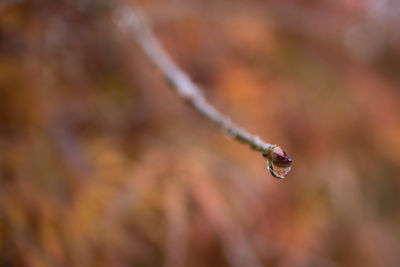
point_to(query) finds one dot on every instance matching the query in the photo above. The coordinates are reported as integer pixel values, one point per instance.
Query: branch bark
(134, 22)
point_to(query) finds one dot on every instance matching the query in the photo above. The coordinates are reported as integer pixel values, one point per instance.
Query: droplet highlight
(278, 172)
(279, 161)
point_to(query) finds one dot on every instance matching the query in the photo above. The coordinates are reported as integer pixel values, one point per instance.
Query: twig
(136, 23)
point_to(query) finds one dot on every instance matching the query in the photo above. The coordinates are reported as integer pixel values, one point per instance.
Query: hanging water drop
(278, 172)
(279, 161)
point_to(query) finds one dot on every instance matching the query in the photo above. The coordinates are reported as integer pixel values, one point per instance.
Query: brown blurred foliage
(103, 165)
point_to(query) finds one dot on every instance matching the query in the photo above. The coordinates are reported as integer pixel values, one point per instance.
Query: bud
(279, 161)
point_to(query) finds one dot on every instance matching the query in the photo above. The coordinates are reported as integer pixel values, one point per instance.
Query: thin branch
(136, 23)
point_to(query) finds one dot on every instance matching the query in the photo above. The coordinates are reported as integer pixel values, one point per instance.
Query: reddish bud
(278, 156)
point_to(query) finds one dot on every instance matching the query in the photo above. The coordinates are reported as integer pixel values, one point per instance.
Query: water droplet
(278, 172)
(279, 161)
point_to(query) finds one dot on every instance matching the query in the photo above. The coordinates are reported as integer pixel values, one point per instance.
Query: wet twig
(134, 21)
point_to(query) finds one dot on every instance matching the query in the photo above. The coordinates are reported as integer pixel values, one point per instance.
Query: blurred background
(103, 165)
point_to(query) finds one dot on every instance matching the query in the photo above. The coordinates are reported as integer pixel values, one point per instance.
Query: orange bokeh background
(102, 164)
